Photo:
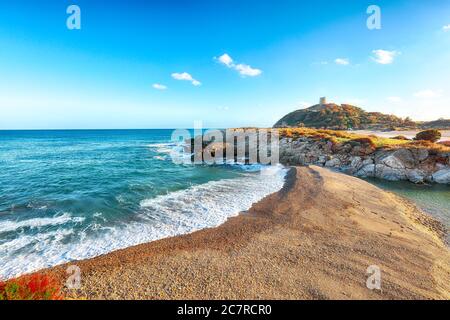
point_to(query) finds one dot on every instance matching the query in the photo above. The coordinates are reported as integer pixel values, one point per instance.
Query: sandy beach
(314, 239)
(410, 134)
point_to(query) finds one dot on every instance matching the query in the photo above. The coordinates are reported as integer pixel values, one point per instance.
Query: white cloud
(384, 56)
(186, 77)
(226, 60)
(244, 69)
(394, 99)
(342, 61)
(182, 76)
(446, 28)
(428, 94)
(158, 86)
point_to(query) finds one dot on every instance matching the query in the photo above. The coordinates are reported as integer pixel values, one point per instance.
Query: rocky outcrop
(415, 164)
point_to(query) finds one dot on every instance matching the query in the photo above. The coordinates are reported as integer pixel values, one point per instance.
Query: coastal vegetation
(395, 159)
(349, 117)
(420, 160)
(32, 287)
(423, 139)
(432, 135)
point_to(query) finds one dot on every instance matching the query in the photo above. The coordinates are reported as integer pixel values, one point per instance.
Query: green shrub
(429, 135)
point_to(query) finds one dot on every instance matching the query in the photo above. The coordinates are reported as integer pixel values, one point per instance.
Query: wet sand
(314, 239)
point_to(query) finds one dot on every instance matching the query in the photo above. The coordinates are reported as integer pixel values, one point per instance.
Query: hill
(346, 116)
(443, 124)
(342, 117)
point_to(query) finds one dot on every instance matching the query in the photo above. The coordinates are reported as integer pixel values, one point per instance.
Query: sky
(167, 64)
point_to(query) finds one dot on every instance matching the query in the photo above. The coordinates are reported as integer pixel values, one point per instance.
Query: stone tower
(323, 101)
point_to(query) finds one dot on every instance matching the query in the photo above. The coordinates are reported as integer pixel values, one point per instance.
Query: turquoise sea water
(69, 195)
(433, 199)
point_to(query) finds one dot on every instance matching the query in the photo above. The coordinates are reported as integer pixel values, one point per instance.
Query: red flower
(34, 287)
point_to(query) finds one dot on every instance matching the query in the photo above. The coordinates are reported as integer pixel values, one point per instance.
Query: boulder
(322, 160)
(392, 162)
(416, 176)
(406, 157)
(420, 154)
(366, 171)
(356, 163)
(367, 162)
(391, 173)
(442, 176)
(335, 162)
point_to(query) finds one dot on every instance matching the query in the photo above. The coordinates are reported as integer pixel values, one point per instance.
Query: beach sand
(314, 239)
(410, 134)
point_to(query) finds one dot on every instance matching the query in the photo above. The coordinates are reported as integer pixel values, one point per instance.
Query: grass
(341, 137)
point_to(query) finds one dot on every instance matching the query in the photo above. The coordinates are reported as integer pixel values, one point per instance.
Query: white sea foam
(181, 212)
(165, 148)
(12, 225)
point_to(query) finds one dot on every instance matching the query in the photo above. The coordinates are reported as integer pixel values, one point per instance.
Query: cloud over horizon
(384, 56)
(342, 61)
(244, 70)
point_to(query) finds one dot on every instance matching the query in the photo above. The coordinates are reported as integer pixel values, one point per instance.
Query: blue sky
(280, 56)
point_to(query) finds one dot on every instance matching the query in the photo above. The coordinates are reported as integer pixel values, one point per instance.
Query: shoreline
(314, 239)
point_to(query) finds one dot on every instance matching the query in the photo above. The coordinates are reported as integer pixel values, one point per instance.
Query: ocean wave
(12, 225)
(181, 212)
(165, 148)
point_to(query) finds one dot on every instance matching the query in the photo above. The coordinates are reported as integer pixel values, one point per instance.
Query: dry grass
(339, 137)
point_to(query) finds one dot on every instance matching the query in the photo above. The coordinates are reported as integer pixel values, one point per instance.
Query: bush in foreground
(34, 287)
(429, 135)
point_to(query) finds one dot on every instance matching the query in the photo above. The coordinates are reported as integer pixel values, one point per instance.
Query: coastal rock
(392, 162)
(335, 162)
(367, 171)
(356, 163)
(322, 160)
(419, 154)
(415, 164)
(442, 176)
(390, 173)
(416, 176)
(405, 157)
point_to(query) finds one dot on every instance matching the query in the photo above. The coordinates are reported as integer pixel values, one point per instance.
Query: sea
(433, 199)
(67, 195)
